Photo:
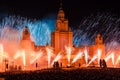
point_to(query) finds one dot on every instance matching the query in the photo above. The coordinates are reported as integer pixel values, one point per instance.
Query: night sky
(75, 10)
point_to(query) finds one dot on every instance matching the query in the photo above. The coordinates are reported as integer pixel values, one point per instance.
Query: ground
(65, 74)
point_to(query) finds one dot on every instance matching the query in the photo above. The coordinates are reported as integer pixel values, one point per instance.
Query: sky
(75, 10)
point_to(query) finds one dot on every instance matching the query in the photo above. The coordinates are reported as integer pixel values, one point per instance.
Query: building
(61, 38)
(26, 42)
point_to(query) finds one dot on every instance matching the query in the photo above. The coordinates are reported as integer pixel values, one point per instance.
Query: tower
(26, 42)
(26, 34)
(61, 37)
(99, 45)
(61, 23)
(98, 39)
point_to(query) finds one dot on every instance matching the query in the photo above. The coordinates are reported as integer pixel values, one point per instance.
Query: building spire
(61, 14)
(61, 4)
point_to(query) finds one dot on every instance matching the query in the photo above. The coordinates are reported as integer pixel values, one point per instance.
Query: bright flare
(118, 60)
(95, 57)
(79, 55)
(86, 55)
(110, 56)
(68, 51)
(36, 57)
(49, 54)
(3, 55)
(21, 53)
(58, 57)
(99, 55)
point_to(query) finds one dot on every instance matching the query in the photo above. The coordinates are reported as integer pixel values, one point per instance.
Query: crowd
(65, 74)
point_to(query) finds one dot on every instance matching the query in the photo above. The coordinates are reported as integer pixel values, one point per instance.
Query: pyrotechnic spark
(3, 54)
(17, 55)
(111, 55)
(118, 60)
(104, 23)
(86, 55)
(95, 57)
(38, 28)
(58, 57)
(21, 53)
(49, 54)
(99, 55)
(68, 51)
(79, 55)
(36, 57)
(24, 57)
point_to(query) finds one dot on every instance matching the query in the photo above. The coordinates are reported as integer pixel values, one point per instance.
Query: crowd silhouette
(64, 74)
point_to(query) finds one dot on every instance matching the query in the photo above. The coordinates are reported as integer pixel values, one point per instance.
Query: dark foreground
(65, 74)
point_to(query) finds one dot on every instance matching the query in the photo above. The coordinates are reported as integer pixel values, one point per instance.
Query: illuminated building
(26, 40)
(62, 38)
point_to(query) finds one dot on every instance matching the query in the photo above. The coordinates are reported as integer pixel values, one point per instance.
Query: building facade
(61, 38)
